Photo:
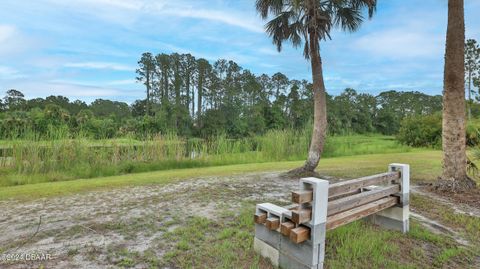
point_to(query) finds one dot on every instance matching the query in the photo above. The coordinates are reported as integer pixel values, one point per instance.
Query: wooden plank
(341, 195)
(303, 196)
(342, 187)
(272, 223)
(349, 202)
(301, 216)
(286, 227)
(354, 214)
(300, 234)
(260, 218)
(291, 207)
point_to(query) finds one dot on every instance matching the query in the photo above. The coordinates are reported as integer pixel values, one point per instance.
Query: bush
(421, 131)
(473, 133)
(426, 131)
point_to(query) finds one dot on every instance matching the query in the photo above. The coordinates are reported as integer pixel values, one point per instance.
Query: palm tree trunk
(454, 176)
(320, 111)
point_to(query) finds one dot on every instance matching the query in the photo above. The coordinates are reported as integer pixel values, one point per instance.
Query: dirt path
(461, 208)
(85, 230)
(436, 227)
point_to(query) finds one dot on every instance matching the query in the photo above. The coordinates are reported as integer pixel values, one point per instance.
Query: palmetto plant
(307, 23)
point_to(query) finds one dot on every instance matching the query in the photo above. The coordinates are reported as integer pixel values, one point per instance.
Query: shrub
(473, 133)
(421, 131)
(426, 131)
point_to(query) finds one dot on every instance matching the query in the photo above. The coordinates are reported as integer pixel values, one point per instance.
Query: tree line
(350, 112)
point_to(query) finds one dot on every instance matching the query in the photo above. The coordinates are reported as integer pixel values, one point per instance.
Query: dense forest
(195, 98)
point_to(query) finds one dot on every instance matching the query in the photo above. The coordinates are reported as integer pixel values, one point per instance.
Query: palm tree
(454, 176)
(308, 22)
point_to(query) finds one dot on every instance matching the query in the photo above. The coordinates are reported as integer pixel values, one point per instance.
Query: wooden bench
(294, 236)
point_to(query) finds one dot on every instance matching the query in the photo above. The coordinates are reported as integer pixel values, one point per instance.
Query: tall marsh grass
(61, 158)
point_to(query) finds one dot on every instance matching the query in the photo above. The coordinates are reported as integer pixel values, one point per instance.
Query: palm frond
(297, 20)
(265, 7)
(284, 27)
(371, 5)
(348, 18)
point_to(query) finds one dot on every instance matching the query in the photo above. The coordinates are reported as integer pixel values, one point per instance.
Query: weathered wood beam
(302, 196)
(260, 218)
(356, 213)
(352, 185)
(300, 234)
(272, 223)
(301, 215)
(286, 227)
(341, 195)
(349, 202)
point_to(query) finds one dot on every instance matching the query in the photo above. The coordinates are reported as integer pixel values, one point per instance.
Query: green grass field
(28, 162)
(425, 165)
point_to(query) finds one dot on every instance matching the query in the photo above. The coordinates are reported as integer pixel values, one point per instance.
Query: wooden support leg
(272, 223)
(300, 234)
(260, 218)
(301, 216)
(286, 227)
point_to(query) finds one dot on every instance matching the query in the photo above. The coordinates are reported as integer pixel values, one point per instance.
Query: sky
(88, 49)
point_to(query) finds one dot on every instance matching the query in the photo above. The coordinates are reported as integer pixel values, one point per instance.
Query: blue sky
(88, 49)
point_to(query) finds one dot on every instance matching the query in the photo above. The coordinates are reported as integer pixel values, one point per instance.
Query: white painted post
(319, 188)
(397, 217)
(311, 253)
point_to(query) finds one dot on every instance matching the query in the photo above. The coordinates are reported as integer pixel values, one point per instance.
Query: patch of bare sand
(87, 230)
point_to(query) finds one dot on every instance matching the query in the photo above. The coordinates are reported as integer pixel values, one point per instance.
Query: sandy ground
(85, 230)
(88, 230)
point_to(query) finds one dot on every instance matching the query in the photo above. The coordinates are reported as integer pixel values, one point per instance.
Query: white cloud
(12, 41)
(101, 65)
(8, 73)
(40, 88)
(270, 66)
(401, 43)
(127, 12)
(6, 33)
(122, 82)
(216, 15)
(268, 51)
(78, 90)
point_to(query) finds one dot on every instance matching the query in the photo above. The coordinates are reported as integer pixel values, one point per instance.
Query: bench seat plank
(349, 186)
(349, 202)
(354, 214)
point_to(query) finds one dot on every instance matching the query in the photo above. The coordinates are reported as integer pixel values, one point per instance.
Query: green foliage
(472, 69)
(426, 131)
(421, 131)
(393, 106)
(426, 165)
(473, 132)
(232, 102)
(61, 158)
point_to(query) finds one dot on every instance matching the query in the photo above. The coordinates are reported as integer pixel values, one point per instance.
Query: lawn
(425, 165)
